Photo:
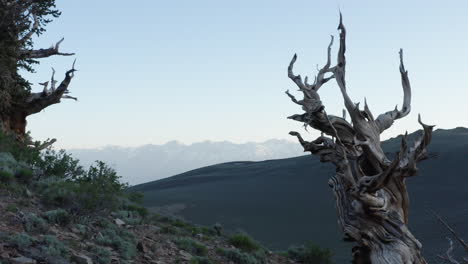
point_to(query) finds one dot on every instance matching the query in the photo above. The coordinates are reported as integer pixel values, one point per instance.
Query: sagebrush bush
(101, 255)
(238, 256)
(24, 175)
(34, 223)
(120, 239)
(310, 254)
(53, 247)
(191, 246)
(200, 260)
(21, 240)
(244, 242)
(58, 216)
(6, 177)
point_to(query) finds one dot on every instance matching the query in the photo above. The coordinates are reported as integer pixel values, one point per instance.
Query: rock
(22, 260)
(81, 259)
(119, 222)
(199, 236)
(185, 255)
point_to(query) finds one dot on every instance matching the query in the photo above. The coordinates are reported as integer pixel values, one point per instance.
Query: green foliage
(120, 239)
(12, 208)
(95, 190)
(310, 254)
(16, 24)
(60, 164)
(54, 247)
(21, 240)
(142, 211)
(24, 175)
(20, 151)
(6, 177)
(33, 223)
(237, 256)
(101, 255)
(244, 242)
(200, 260)
(58, 216)
(191, 246)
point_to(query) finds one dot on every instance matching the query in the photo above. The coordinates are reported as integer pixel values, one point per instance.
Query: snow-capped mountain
(151, 162)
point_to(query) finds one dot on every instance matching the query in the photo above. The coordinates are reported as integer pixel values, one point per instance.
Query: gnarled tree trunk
(370, 189)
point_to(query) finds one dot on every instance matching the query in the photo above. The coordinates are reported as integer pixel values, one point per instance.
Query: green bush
(244, 242)
(58, 216)
(33, 223)
(20, 151)
(200, 260)
(237, 256)
(6, 177)
(12, 208)
(24, 175)
(120, 239)
(96, 190)
(191, 246)
(101, 255)
(54, 247)
(60, 164)
(21, 240)
(310, 254)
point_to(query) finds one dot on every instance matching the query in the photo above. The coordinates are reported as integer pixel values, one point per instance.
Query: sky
(153, 71)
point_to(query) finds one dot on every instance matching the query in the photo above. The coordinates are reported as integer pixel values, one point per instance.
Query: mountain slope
(287, 201)
(152, 162)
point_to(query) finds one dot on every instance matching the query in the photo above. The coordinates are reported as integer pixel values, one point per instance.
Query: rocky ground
(32, 233)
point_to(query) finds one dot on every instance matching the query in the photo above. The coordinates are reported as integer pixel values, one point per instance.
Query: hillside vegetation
(55, 211)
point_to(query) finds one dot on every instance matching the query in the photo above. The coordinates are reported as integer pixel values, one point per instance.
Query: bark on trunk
(370, 190)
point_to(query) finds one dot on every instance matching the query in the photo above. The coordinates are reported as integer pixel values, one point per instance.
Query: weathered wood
(370, 190)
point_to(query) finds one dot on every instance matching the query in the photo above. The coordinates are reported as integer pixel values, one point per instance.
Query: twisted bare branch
(386, 120)
(44, 53)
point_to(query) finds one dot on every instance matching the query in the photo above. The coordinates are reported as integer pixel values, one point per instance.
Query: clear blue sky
(153, 71)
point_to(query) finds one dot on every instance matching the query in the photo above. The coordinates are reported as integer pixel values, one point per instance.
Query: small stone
(22, 260)
(185, 255)
(119, 222)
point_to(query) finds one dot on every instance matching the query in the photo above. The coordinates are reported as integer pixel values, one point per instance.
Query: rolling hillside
(287, 201)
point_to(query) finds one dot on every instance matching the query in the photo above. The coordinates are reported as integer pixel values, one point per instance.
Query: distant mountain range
(288, 201)
(152, 162)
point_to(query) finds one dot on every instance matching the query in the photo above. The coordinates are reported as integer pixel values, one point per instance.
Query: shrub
(6, 177)
(33, 223)
(244, 242)
(24, 175)
(60, 164)
(120, 239)
(12, 208)
(21, 240)
(101, 255)
(310, 254)
(58, 216)
(191, 246)
(98, 189)
(237, 256)
(53, 247)
(200, 260)
(20, 151)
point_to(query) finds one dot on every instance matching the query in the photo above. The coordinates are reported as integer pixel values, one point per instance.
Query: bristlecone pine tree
(370, 190)
(20, 21)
